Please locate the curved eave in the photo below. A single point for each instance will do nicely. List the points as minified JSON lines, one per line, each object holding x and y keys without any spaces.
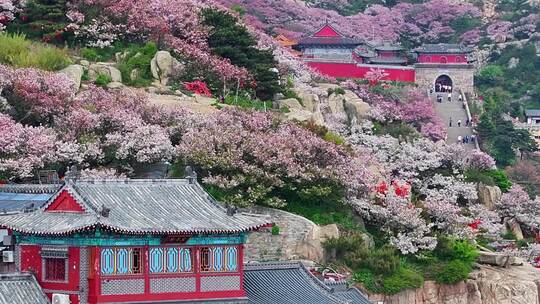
{"x":137,"y":232}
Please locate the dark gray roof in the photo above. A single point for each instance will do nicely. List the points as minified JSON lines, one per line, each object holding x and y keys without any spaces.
{"x":532,"y":113}
{"x":387,"y":60}
{"x":21,"y":288}
{"x":292,"y":283}
{"x":344,"y":291}
{"x":136,"y":207}
{"x":18,"y":198}
{"x":443,"y":48}
{"x":388,"y":47}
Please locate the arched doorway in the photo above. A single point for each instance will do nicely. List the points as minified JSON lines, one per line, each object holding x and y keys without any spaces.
{"x":443,"y":83}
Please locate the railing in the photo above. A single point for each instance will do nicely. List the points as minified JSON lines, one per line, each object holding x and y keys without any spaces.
{"x":469,"y":116}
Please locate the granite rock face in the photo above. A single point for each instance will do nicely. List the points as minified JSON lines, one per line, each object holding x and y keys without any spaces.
{"x":488,"y":285}
{"x":488,"y":195}
{"x":299,"y":238}
{"x":103,"y":68}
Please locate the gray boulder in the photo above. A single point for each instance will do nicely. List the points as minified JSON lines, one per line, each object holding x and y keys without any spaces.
{"x":163,"y":66}
{"x":106,"y":69}
{"x":75,"y":73}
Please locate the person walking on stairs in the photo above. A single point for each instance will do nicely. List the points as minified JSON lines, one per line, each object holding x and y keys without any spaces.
{"x":459,"y":123}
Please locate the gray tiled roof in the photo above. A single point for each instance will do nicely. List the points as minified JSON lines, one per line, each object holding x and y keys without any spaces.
{"x":137,"y":206}
{"x":21,"y":288}
{"x":292,"y":283}
{"x":532,"y":113}
{"x":18,"y":198}
{"x":443,"y":48}
{"x":388,"y":60}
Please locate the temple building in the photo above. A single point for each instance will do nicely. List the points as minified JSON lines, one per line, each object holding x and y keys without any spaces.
{"x":137,"y":241}
{"x":335,"y":55}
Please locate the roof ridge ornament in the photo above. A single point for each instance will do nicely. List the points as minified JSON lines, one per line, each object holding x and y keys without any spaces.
{"x":104,"y":211}
{"x":190,"y":174}
{"x":72,"y":174}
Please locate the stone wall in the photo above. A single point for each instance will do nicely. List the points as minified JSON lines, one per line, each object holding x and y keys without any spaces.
{"x":462,"y":75}
{"x":299,"y":238}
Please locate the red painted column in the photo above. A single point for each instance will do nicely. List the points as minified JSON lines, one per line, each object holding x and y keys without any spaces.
{"x":196,"y":269}
{"x":241,"y":266}
{"x":94,"y":275}
{"x":146,"y":269}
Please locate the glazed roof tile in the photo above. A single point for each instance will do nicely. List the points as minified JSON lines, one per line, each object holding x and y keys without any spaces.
{"x":19,"y":198}
{"x":292,"y":283}
{"x":329,"y":41}
{"x":136,"y":207}
{"x":21,"y":288}
{"x":442,"y":48}
{"x":532,"y":112}
{"x":388,"y":60}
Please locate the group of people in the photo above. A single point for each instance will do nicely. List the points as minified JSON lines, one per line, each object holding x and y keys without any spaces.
{"x":466,"y":139}
{"x":467,"y":122}
{"x":440,"y":98}
{"x":443,"y":88}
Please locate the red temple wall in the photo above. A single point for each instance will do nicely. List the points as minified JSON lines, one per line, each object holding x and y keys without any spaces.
{"x":31,"y":261}
{"x":351,"y":70}
{"x":442,"y":58}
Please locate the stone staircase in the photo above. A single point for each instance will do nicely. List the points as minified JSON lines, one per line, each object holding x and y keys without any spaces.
{"x":453,"y":109}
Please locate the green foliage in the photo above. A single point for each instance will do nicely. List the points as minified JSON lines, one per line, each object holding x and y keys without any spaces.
{"x":396,"y":129}
{"x":106,"y":53}
{"x":403,"y":278}
{"x":275,"y":230}
{"x":453,"y":272}
{"x":138,"y":57}
{"x":19,"y":52}
{"x":89,"y":54}
{"x":337,"y":91}
{"x":245,"y":101}
{"x":102,"y":80}
{"x":451,"y":249}
{"x":489,"y":177}
{"x":508,"y":235}
{"x":43,"y":19}
{"x":331,"y":212}
{"x":334,"y":137}
{"x":489,"y":75}
{"x":231,"y":40}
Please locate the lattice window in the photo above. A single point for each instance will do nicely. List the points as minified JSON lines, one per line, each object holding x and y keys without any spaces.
{"x":219,"y":259}
{"x":121,"y":261}
{"x":55,"y":269}
{"x":170,"y":260}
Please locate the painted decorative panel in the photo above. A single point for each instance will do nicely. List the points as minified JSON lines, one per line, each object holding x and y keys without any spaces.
{"x":219,"y":259}
{"x":120,"y":261}
{"x":167,"y":285}
{"x":221,"y":283}
{"x":122,"y":287}
{"x":232,"y":259}
{"x":170,"y":260}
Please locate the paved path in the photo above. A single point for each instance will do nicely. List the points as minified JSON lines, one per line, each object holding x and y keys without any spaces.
{"x":454,"y":110}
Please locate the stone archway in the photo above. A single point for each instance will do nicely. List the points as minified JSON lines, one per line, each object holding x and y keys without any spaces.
{"x":443,"y":83}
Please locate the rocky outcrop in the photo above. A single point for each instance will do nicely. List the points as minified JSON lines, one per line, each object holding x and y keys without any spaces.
{"x":513,"y":225}
{"x":488,"y":195}
{"x":197,"y":104}
{"x":103,"y":68}
{"x":163,"y":66}
{"x":75,"y":73}
{"x":316,"y":103}
{"x":488,"y":285}
{"x":495,"y":259}
{"x":299,"y":238}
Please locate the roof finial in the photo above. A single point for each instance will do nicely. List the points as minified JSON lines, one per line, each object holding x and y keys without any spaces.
{"x":190,"y":174}
{"x":104,"y":211}
{"x":72,"y":174}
